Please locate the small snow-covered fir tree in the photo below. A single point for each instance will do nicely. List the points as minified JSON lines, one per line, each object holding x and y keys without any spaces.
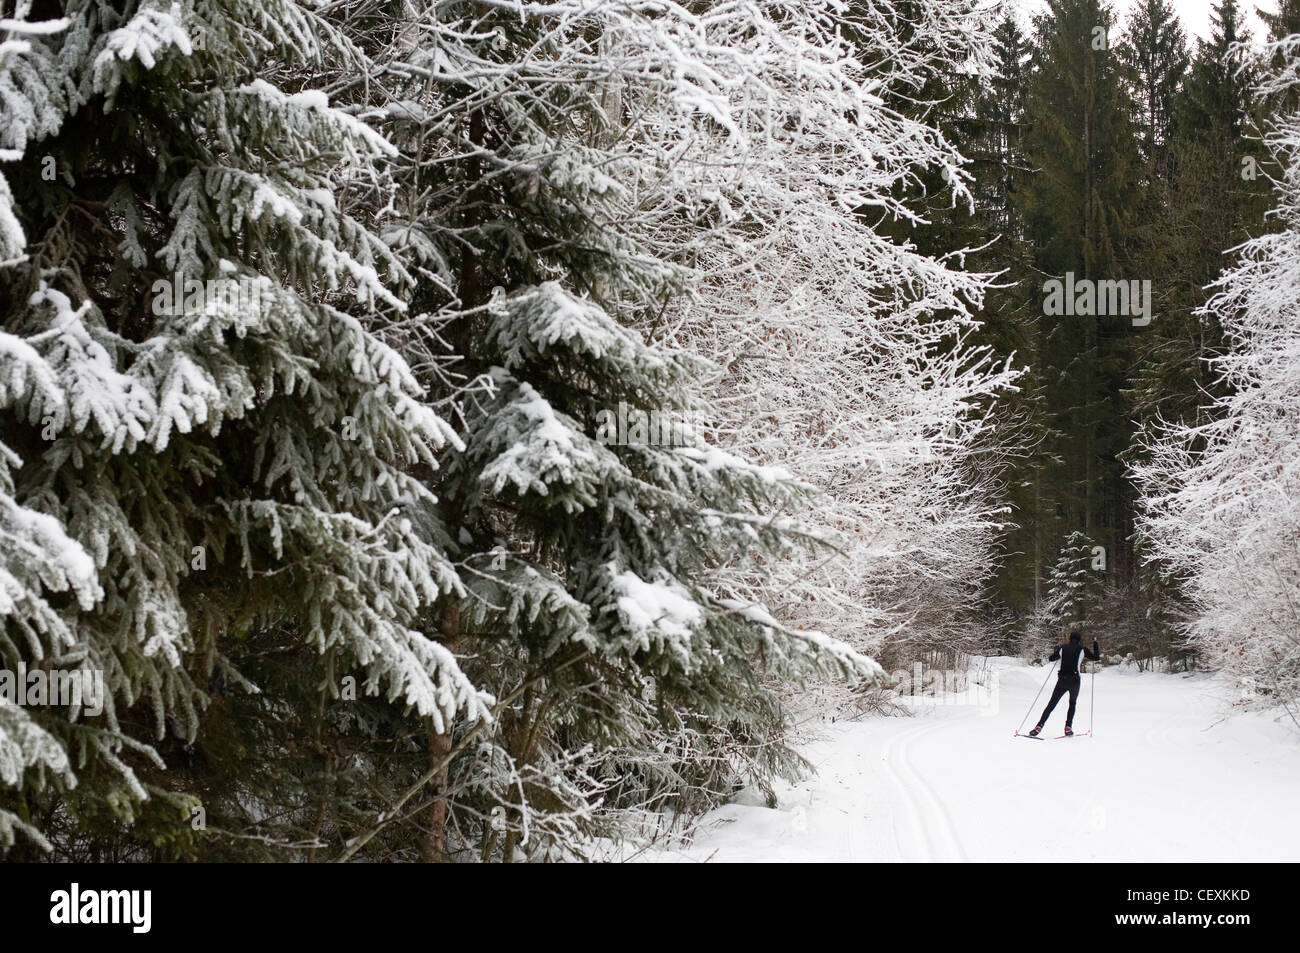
{"x":202,"y":444}
{"x":1075,"y":585}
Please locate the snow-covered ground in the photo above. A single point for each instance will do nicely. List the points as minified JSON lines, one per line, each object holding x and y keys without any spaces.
{"x":1171,"y":774}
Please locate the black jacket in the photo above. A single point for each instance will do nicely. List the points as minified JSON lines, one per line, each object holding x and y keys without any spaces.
{"x":1071,"y":654}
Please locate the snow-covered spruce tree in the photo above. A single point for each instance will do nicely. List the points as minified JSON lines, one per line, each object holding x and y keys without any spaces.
{"x":1221,"y":511}
{"x":205,"y":453}
{"x":555,"y":149}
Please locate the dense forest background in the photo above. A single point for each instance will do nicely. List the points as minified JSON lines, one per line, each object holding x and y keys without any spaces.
{"x":1137,"y":155}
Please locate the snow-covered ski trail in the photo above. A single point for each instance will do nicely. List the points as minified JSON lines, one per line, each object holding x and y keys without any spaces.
{"x":1170,"y":774}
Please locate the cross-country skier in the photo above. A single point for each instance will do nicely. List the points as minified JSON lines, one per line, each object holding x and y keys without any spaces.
{"x":1067,"y":679}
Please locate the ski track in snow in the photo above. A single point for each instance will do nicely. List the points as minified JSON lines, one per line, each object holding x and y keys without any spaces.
{"x":1172,"y":774}
{"x":938,"y":836}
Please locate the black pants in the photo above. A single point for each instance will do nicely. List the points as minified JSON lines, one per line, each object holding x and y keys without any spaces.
{"x":1064,"y":683}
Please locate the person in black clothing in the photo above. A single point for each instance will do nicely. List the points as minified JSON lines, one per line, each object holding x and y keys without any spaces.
{"x":1067,"y":679}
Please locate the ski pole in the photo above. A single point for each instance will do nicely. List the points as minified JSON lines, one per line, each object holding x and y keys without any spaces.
{"x":1092,"y":699}
{"x":1035,"y":701}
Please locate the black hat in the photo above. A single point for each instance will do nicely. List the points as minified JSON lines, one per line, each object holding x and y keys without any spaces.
{"x":1075,"y":637}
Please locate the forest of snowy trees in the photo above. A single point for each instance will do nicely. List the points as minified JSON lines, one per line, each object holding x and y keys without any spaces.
{"x":459,"y":430}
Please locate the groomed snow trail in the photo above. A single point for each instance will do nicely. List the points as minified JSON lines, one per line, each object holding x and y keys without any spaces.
{"x":1172,"y":774}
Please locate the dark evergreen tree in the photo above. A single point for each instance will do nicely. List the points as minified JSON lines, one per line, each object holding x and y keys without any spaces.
{"x":1154,"y":50}
{"x":1011,"y":315}
{"x":1214,"y":103}
{"x":1000,"y":109}
{"x":1083,"y":206}
{"x":1217,"y":194}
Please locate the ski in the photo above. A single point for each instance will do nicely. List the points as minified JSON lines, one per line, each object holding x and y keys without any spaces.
{"x":1030,"y":737}
{"x":1077,"y":734}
